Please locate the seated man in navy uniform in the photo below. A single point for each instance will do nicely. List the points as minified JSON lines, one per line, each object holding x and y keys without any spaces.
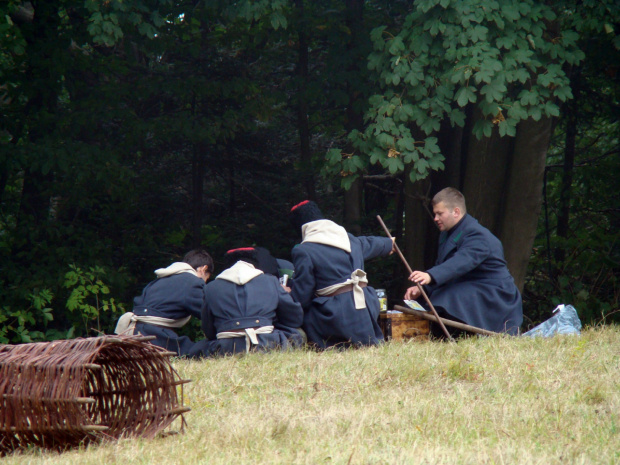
{"x":330,"y":282}
{"x":247,"y":308}
{"x":470,"y":281}
{"x":169,"y":302}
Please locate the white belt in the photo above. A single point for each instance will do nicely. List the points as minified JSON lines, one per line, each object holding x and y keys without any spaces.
{"x":248,"y":333}
{"x":357,"y":277}
{"x":127,"y":322}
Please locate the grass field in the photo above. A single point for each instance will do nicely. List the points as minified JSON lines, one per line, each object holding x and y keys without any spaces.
{"x":498,"y":400}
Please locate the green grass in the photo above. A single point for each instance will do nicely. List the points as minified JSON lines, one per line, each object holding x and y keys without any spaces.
{"x":480,"y":401}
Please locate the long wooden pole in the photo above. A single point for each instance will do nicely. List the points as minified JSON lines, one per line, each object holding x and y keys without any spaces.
{"x":428,"y":301}
{"x":454,"y":324}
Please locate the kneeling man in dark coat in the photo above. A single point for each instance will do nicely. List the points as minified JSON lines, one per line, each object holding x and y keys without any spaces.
{"x":330,"y":282}
{"x":470,"y":281}
{"x":169,"y":302}
{"x":248,"y":309}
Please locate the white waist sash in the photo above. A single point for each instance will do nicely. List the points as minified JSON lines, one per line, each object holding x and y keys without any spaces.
{"x":248,"y":333}
{"x":357,"y":277}
{"x":127,"y":322}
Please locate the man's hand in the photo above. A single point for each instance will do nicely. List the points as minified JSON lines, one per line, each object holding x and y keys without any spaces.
{"x":420,"y":277}
{"x":393,"y":246}
{"x":412,"y":293}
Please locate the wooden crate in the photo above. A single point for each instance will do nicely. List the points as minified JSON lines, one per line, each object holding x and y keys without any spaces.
{"x":402,"y":327}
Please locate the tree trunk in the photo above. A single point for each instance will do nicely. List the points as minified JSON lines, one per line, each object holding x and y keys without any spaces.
{"x":419,"y":232}
{"x":198,"y":176}
{"x":523,"y":195}
{"x":302,"y":104}
{"x":487,"y":163}
{"x":354,"y":119}
{"x":353,"y":208}
{"x":40,"y":115}
{"x":4,"y":169}
{"x":569,"y":163}
{"x":452,"y":142}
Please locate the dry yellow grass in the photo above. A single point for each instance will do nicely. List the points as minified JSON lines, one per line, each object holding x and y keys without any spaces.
{"x":481,"y":401}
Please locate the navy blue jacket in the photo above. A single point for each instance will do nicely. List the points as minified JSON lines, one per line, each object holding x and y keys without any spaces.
{"x":471,"y":280}
{"x":335,"y":320}
{"x":176,"y":296}
{"x":260,"y":302}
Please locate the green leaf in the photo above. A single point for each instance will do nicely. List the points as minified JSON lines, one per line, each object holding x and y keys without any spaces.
{"x":436,"y":163}
{"x":375,"y":60}
{"x":406,"y":144}
{"x":499,"y":21}
{"x":333,"y":156}
{"x":494,"y":91}
{"x":394,"y":165}
{"x":479,"y":34}
{"x":429,"y":125}
{"x":457,"y":117}
{"x":421,"y":166}
{"x":535,"y":112}
{"x":522,"y":75}
{"x":482,"y":128}
{"x":465,"y":95}
{"x":396,"y":46}
{"x":563,"y":93}
{"x":385,"y":140}
{"x":376,"y":36}
{"x":505,"y":42}
{"x":410,"y":157}
{"x":278,"y":20}
{"x":517,"y":112}
{"x":507,"y":128}
{"x":528,"y":97}
{"x":347,"y":182}
{"x":510,"y":12}
{"x":551,"y":109}
{"x":484,"y":75}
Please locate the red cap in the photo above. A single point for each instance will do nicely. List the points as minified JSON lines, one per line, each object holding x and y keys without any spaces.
{"x":242,"y":249}
{"x":300,"y":204}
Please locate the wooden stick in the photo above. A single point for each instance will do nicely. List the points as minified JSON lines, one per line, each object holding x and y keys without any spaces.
{"x":428,"y":301}
{"x":143,"y":338}
{"x":178,"y":411}
{"x":76,"y":400}
{"x":53,"y":428}
{"x":454,"y":324}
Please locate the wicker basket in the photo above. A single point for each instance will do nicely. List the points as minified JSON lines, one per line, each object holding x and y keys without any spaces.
{"x":58,"y":395}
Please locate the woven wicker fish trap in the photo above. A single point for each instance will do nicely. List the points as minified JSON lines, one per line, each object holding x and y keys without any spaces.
{"x":58,"y":395}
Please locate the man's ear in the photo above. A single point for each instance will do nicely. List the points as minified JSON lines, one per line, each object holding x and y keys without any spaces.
{"x":457,"y":212}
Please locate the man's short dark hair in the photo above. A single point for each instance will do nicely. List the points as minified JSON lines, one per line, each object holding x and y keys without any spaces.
{"x":451,"y":198}
{"x":197,"y":258}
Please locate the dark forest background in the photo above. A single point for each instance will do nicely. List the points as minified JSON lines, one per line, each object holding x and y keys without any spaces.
{"x":133,"y":131}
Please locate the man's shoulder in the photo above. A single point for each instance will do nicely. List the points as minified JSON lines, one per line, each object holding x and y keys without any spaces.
{"x":471,"y":225}
{"x":474,"y":231}
{"x":264,"y":279}
{"x":217,"y":287}
{"x":177,"y":280}
{"x":304,"y":248}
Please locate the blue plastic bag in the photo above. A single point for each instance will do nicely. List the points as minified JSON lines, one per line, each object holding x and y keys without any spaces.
{"x":565,"y":321}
